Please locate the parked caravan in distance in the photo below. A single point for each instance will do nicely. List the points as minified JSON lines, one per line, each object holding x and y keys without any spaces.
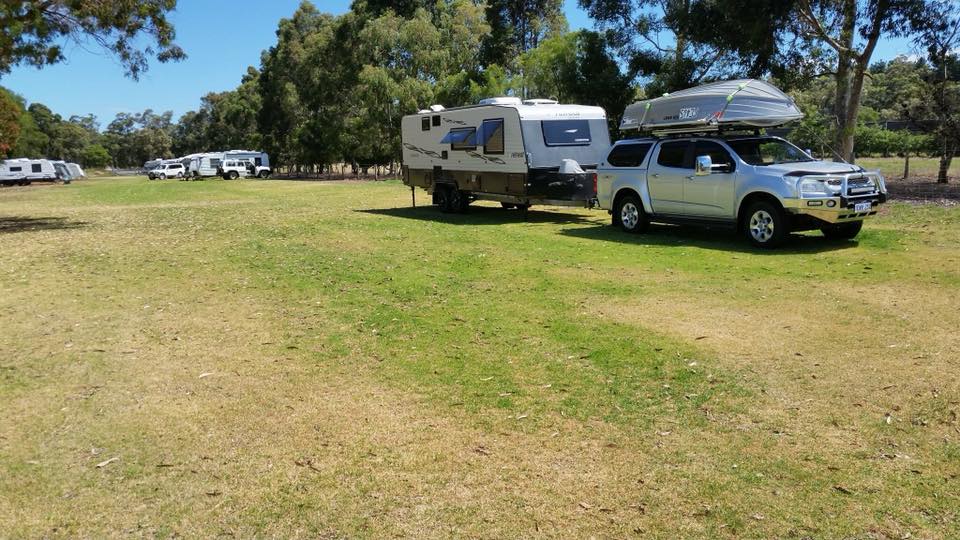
{"x":76,"y":171}
{"x":203,"y":165}
{"x":519,"y":153}
{"x":23,"y":171}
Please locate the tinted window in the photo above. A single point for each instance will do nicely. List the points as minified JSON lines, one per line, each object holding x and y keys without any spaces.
{"x":461,"y":139}
{"x":36,"y":167}
{"x":566,"y":132}
{"x":491,"y":136}
{"x":718,"y":154}
{"x":673,"y":154}
{"x":425,"y":124}
{"x":16,"y":169}
{"x":436,"y":120}
{"x":628,"y":155}
{"x":258,"y":161}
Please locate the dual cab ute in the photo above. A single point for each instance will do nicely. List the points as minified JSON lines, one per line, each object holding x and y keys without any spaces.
{"x":707,"y":162}
{"x":762,"y":185}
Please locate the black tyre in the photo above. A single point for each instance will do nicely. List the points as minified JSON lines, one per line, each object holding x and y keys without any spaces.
{"x":842,"y":231}
{"x":234,"y":175}
{"x":458,"y":200}
{"x":442,"y":198}
{"x":163,"y":176}
{"x":765,"y":225}
{"x":508,"y":206}
{"x":264,"y":174}
{"x":629,"y":215}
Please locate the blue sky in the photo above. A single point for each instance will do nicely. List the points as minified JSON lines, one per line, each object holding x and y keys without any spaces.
{"x":221,"y":37}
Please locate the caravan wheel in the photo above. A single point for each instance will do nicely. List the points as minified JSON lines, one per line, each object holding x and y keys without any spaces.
{"x":458,"y":200}
{"x":442,"y":198}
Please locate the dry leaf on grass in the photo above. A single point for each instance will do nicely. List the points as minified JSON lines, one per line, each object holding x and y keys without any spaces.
{"x":103,"y":464}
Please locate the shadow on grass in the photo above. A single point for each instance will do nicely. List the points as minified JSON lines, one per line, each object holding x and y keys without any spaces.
{"x":481,"y":215}
{"x":10,"y":225}
{"x":718,"y":239}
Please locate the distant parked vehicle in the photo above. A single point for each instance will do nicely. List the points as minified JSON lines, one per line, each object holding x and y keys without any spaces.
{"x":76,"y":171}
{"x":167,"y":170}
{"x":260,"y":160}
{"x":231,"y":169}
{"x":23,"y":171}
{"x":203,"y":165}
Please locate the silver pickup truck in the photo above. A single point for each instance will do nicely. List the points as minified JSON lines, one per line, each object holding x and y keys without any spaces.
{"x":761,"y":185}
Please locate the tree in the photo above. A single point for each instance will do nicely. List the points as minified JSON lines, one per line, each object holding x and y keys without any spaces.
{"x":34,"y":33}
{"x":95,"y":155}
{"x":10,"y":112}
{"x":517,"y":26}
{"x":940,"y":36}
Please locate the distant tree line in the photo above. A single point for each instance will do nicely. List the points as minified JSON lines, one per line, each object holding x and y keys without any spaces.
{"x":332,"y":89}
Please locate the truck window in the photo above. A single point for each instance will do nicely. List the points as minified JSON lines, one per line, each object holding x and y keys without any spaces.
{"x":718,"y":154}
{"x":628,"y":155}
{"x":673,"y":154}
{"x":461,"y":139}
{"x":566,"y":132}
{"x":491,"y":136}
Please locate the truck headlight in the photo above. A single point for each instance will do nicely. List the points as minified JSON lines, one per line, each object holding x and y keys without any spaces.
{"x":819,"y":187}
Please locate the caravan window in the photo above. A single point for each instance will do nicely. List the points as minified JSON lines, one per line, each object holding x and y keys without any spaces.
{"x":16,"y":169}
{"x":461,"y":139}
{"x":628,"y":155}
{"x":425,"y":124}
{"x":491,"y":136}
{"x":214,"y":162}
{"x":36,"y":167}
{"x":566,"y":132}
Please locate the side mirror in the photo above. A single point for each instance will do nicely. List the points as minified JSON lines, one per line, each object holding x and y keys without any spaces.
{"x":703,"y":166}
{"x":809,"y":152}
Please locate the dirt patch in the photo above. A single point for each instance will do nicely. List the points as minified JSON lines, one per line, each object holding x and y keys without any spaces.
{"x":924,"y":190}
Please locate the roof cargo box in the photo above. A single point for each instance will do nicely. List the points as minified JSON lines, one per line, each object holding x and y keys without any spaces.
{"x":740,"y":104}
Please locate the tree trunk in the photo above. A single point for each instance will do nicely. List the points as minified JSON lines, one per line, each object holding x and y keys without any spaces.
{"x":906,"y":165}
{"x":945,"y":159}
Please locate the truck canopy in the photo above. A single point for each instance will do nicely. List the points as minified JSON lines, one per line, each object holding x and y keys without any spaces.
{"x":744,"y":103}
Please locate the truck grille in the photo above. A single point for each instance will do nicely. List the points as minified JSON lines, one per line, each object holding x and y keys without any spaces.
{"x":861,"y":186}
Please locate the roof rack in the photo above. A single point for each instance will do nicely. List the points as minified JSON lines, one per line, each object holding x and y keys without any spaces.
{"x":739,"y":104}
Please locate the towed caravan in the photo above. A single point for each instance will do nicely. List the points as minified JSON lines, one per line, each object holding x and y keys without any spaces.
{"x":519,"y":153}
{"x":203,"y":165}
{"x":704,"y":160}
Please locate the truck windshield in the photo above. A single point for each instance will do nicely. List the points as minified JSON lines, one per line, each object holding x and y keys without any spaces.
{"x":768,"y":151}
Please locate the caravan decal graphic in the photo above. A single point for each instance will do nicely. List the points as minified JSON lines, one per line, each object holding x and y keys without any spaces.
{"x":495,"y":160}
{"x":419,"y":150}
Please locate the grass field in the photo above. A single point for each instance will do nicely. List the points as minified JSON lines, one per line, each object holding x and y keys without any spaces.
{"x":302,"y":359}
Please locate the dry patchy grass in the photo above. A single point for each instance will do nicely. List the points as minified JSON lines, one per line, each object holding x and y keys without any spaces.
{"x":316,"y":360}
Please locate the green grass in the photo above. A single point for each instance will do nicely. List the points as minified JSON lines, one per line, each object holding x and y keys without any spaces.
{"x":892,"y":167}
{"x":319,"y":359}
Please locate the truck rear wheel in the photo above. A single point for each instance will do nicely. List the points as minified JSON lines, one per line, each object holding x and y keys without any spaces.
{"x":842,"y":231}
{"x":629,"y":214}
{"x":234,"y":175}
{"x":765,"y":225}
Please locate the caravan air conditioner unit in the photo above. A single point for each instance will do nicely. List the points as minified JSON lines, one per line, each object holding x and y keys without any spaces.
{"x":505,"y":100}
{"x":540,"y":102}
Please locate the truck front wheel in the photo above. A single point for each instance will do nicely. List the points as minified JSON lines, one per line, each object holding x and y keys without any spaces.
{"x":766,"y":225}
{"x":842,"y":231}
{"x":629,"y":214}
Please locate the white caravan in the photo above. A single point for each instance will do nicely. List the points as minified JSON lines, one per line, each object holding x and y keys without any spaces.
{"x":519,"y":153}
{"x":203,"y":165}
{"x":23,"y":171}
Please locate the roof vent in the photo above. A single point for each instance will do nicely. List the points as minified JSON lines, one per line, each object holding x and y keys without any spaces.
{"x":437,"y":108}
{"x":505,"y":100}
{"x":540,"y":102}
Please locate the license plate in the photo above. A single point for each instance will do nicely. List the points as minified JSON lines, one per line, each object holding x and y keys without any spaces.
{"x":861,"y":207}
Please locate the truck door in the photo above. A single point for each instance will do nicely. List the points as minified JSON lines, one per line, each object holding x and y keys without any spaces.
{"x":711,"y":195}
{"x":666,"y":175}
